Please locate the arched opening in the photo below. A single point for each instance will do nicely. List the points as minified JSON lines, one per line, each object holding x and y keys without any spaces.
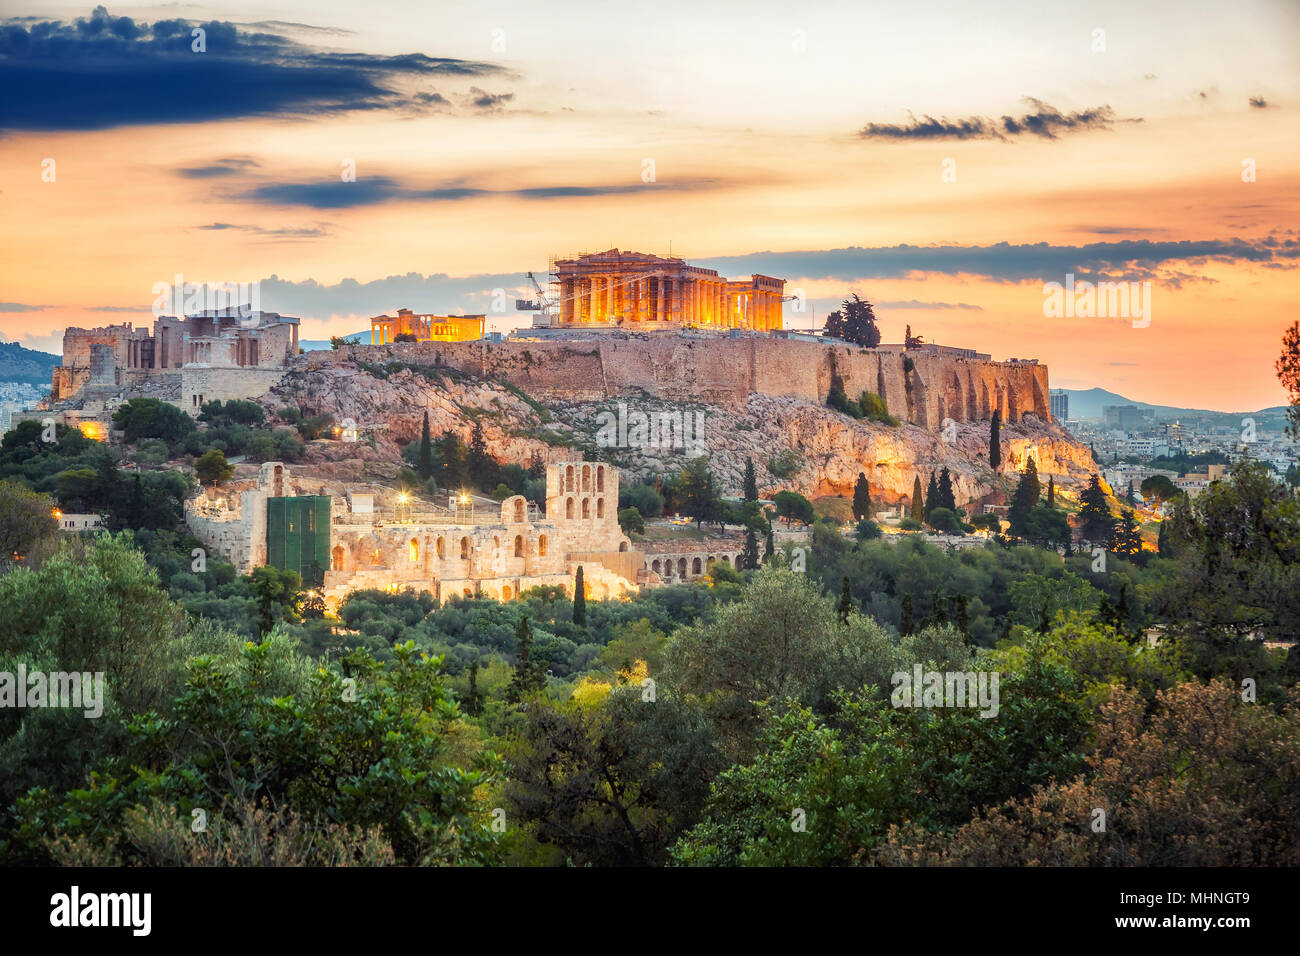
{"x":681,"y":567}
{"x":519,"y":511}
{"x":695,"y":566}
{"x":519,"y":546}
{"x":586,"y":507}
{"x":442,"y":549}
{"x":568,"y":507}
{"x":654,"y":566}
{"x":541,"y":544}
{"x":464,"y":547}
{"x":414,"y":548}
{"x":726,"y":559}
{"x":568,"y":478}
{"x":622,"y":546}
{"x":600,"y":507}
{"x":505,"y":592}
{"x":586,"y":478}
{"x":600,"y":478}
{"x":338,"y":557}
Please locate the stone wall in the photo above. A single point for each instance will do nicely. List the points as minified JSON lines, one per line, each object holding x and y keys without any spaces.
{"x":200,"y":384}
{"x":727,"y":371}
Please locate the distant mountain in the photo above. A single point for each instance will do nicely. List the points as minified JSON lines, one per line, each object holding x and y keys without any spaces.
{"x":18,"y":364}
{"x":1088,"y":403}
{"x":323,"y":345}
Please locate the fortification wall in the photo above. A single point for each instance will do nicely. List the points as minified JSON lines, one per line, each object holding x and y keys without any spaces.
{"x":200,"y":384}
{"x":917,"y":387}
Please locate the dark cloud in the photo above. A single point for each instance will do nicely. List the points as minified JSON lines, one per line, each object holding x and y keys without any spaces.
{"x":222,"y":167}
{"x":1044,"y":121}
{"x":483,"y":100}
{"x":285,"y":232}
{"x":103,"y":72}
{"x":376,"y":190}
{"x":1259,"y":103}
{"x":1127,"y":260}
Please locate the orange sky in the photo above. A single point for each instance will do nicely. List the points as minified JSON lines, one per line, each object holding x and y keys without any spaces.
{"x":754,"y":137}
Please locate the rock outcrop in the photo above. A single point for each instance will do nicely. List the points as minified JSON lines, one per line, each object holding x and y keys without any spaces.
{"x":795,"y":443}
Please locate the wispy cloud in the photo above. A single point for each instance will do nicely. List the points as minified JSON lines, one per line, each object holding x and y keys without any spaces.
{"x":22,"y":307}
{"x":1044,"y":121}
{"x":917,"y":304}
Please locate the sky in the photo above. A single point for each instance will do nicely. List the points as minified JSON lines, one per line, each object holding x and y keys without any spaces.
{"x":946,"y":161}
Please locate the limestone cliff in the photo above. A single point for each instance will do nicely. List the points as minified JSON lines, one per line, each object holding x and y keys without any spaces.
{"x":811,"y":448}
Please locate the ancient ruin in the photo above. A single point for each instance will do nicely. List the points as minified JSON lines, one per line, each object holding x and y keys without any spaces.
{"x":343,"y":536}
{"x":249,"y":347}
{"x":634,"y":288}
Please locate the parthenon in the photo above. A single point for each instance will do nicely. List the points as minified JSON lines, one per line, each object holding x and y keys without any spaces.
{"x":619,"y":288}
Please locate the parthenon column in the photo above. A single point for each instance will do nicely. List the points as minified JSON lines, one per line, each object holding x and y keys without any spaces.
{"x":609,"y":298}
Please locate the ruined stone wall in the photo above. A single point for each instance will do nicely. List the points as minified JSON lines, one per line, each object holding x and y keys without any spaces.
{"x":726,"y":371}
{"x":199,"y":384}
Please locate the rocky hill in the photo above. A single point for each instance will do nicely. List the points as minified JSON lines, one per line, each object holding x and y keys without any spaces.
{"x":18,"y":364}
{"x":795,"y":443}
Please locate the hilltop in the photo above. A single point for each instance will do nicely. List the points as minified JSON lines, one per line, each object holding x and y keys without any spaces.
{"x":18,"y":364}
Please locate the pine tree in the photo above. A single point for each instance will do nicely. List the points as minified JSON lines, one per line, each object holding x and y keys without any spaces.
{"x":751,"y":481}
{"x":1128,"y":540}
{"x":1051,"y":492}
{"x":931,"y":496}
{"x":1023,"y":500}
{"x":995,"y":441}
{"x":947,"y":499}
{"x":483,"y":469}
{"x":846,"y":606}
{"x":749,"y":558}
{"x":1128,"y":495}
{"x":861,"y":498}
{"x":425,"y":467}
{"x":579,"y":600}
{"x":1096,"y":524}
{"x":905,"y":616}
{"x":918,"y":503}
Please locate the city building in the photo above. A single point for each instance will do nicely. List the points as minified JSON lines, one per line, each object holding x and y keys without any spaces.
{"x":1059,"y":399}
{"x":1126,"y":417}
{"x":426,"y":328}
{"x":634,"y":288}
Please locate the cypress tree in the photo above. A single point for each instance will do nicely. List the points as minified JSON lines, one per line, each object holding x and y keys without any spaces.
{"x":861,"y":498}
{"x":770,"y":549}
{"x":472,"y":701}
{"x":528,"y":675}
{"x":846,"y":602}
{"x":579,"y":600}
{"x":1051,"y":492}
{"x":918,"y":503}
{"x":995,"y":440}
{"x":905,"y":616}
{"x":751,"y":481}
{"x":960,"y":615}
{"x":931,"y":496}
{"x":425,"y":467}
{"x":749,"y":559}
{"x":947,"y":499}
